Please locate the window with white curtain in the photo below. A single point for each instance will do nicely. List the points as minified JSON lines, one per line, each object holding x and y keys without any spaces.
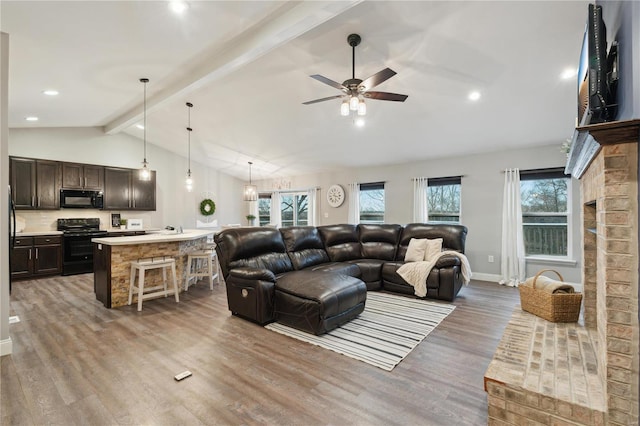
{"x":294,"y":208}
{"x":264,"y":209}
{"x":443,"y":199}
{"x":372,"y":202}
{"x":545,"y":211}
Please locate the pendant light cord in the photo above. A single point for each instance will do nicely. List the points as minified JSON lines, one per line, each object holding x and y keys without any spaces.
{"x":190,"y":105}
{"x":144,"y":120}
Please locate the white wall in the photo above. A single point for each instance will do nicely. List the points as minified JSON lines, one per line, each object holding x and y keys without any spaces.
{"x":5,"y":339}
{"x":482,"y":187}
{"x":174,"y":205}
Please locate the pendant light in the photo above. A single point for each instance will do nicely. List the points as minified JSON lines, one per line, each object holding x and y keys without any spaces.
{"x":250,"y":191}
{"x":189,"y":181}
{"x":145,"y":173}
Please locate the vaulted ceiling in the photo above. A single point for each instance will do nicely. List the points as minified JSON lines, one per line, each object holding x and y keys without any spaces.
{"x":245,"y":66}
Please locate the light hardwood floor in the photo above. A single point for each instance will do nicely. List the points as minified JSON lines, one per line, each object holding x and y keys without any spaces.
{"x":76,"y":362}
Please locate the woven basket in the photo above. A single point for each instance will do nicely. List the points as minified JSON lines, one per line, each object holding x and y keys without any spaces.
{"x":563,"y":307}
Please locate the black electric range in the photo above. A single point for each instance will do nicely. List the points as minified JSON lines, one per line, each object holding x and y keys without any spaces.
{"x":77,"y":249}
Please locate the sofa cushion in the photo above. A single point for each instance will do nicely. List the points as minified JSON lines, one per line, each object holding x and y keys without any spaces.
{"x":379,"y":241}
{"x":338,"y":268}
{"x":304,"y":246}
{"x":261,"y":248}
{"x":453,"y":236}
{"x":341,"y":242}
{"x":391,"y":281}
{"x":370,"y":272}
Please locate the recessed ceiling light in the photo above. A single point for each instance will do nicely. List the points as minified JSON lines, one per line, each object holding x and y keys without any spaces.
{"x":569,"y":73}
{"x":178,"y":6}
{"x":140,"y":126}
{"x":474,"y":96}
{"x":51,"y":92}
{"x":31,"y":118}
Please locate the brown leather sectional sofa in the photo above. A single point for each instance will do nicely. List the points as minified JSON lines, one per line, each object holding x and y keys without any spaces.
{"x":316,"y":278}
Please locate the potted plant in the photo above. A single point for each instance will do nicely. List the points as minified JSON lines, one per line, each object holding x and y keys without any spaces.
{"x":250,"y":219}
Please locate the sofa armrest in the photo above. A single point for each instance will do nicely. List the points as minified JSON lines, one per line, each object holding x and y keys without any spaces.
{"x":247,"y":273}
{"x":447,"y":261}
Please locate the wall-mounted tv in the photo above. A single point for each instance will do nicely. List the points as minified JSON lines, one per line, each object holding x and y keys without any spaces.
{"x":597,"y":73}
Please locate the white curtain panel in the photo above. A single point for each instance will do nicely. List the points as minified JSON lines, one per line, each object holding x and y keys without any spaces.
{"x":312,"y":195}
{"x":276,"y":218}
{"x":253,"y":209}
{"x":353,"y":215}
{"x":420,"y":195}
{"x":513,"y":258}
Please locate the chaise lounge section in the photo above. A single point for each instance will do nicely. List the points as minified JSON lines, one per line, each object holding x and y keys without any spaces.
{"x":316,"y":278}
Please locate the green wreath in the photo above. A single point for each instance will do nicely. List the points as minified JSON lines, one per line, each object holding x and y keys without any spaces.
{"x":207,"y":207}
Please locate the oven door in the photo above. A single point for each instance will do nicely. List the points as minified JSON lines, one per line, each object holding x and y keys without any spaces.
{"x":77,"y":254}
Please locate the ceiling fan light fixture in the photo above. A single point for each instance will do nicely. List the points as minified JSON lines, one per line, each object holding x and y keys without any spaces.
{"x":353,"y":103}
{"x":359,"y":122}
{"x":362,"y":107}
{"x":344,"y":108}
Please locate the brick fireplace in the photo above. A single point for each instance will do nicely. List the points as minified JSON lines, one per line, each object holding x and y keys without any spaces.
{"x":584,"y":373}
{"x":606,"y":162}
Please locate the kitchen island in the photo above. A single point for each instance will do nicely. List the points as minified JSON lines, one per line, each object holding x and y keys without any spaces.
{"x":112,"y":258}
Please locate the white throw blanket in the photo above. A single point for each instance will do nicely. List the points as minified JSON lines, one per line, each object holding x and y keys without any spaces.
{"x":416,"y":273}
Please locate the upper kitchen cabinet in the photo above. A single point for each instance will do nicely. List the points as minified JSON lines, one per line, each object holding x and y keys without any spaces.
{"x":117,"y":189}
{"x":124,"y":191}
{"x":82,"y":176}
{"x":35,"y":184}
{"x":143,"y":192}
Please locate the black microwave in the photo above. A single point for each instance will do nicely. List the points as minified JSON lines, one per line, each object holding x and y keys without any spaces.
{"x":76,"y":199}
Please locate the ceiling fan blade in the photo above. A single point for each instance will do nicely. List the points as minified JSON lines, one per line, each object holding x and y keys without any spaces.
{"x":330,"y":82}
{"x":377,"y":78}
{"x":385,"y":96}
{"x":321,"y":100}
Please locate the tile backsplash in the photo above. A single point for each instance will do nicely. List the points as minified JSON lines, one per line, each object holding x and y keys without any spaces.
{"x":46,"y":220}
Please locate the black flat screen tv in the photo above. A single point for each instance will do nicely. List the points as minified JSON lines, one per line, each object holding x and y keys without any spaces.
{"x":597,"y":73}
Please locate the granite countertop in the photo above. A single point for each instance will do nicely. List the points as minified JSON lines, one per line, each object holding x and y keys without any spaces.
{"x":151,"y":238}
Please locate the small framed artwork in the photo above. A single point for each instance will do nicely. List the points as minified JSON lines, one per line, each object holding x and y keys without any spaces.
{"x":115,"y":220}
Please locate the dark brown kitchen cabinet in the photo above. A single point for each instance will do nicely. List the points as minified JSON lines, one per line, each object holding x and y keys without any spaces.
{"x":82,"y":176}
{"x":143,"y":192}
{"x":35,"y":184}
{"x":36,"y":256}
{"x":124,"y":191}
{"x":117,"y":189}
{"x":23,"y":182}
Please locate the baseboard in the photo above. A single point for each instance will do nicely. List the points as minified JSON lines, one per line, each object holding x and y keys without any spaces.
{"x":486,"y":277}
{"x":6,"y":347}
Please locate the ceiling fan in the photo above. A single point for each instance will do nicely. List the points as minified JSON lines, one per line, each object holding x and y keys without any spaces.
{"x":355,"y":90}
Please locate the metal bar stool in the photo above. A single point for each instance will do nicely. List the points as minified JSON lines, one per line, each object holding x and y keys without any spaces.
{"x":143,"y":265}
{"x":202,"y":264}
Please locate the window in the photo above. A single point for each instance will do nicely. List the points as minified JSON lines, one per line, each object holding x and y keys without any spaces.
{"x":443,"y":199}
{"x":264,"y":209}
{"x":372,"y":202}
{"x":294,"y":208}
{"x":545,"y":211}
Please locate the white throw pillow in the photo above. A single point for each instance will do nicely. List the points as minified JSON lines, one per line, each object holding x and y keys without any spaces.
{"x":432,"y":249}
{"x":416,"y":250}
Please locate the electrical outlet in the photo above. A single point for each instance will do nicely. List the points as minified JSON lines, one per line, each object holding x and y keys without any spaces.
{"x":326,"y":215}
{"x":490,"y":259}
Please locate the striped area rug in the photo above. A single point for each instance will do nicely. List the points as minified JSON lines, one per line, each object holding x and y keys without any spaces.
{"x":384,"y":334}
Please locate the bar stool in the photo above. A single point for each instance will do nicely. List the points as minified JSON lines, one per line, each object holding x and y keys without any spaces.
{"x":143,"y":265}
{"x":200,"y":264}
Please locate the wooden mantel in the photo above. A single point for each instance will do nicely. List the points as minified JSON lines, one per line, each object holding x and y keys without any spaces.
{"x":588,"y":140}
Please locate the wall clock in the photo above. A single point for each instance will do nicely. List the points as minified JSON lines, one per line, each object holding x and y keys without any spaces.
{"x":335,"y":195}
